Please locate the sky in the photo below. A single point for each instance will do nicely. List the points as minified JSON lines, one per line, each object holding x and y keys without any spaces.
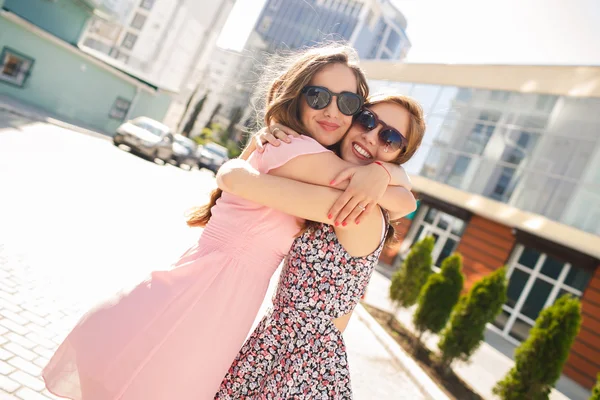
{"x":541,"y":32}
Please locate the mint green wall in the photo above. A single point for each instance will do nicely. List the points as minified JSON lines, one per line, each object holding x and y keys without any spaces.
{"x":67,"y":84}
{"x":151,"y":105}
{"x":65,"y":19}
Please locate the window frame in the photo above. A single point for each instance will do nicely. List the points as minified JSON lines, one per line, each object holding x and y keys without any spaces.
{"x":117,"y":111}
{"x":6,"y":51}
{"x":534,"y":274}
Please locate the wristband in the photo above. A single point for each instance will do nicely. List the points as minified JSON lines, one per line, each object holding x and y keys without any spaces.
{"x":384,"y":168}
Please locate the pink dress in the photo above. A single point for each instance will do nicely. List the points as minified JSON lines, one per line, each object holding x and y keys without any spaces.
{"x":175,"y":335}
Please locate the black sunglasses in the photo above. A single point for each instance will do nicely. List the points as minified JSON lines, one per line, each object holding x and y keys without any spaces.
{"x":389,"y":137}
{"x":319,"y":97}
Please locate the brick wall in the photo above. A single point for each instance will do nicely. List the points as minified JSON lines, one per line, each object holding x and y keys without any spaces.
{"x":584,"y":360}
{"x":485,"y":247}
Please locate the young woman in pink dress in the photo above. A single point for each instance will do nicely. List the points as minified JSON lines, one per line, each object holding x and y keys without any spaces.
{"x":297,"y":351}
{"x":175,"y":335}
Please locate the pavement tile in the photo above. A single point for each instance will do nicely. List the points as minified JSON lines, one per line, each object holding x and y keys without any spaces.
{"x":6,"y":368}
{"x":25,"y":365}
{"x":20,"y":340}
{"x":27,"y":380}
{"x":5,"y":354}
{"x":11,"y":326}
{"x":20,"y":351}
{"x":8,"y":385}
{"x":28,"y":394}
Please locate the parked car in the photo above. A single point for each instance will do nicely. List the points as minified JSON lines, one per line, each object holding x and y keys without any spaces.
{"x":147,"y":137}
{"x":184,"y":152}
{"x":212,"y":156}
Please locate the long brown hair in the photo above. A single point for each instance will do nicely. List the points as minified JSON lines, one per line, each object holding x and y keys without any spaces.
{"x":284,"y":78}
{"x":416,"y":131}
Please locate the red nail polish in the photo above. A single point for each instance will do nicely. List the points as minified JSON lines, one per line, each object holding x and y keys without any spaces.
{"x":357,"y":222}
{"x":329,"y":216}
{"x":332,"y":182}
{"x":344,"y":223}
{"x":337,"y":223}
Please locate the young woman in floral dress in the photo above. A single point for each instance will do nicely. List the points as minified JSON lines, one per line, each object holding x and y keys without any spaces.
{"x":175,"y":334}
{"x":297,"y":351}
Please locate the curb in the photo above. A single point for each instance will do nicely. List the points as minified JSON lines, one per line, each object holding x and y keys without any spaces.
{"x":53,"y":121}
{"x":420,"y":378}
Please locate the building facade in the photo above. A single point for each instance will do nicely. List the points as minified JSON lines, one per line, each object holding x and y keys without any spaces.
{"x":374,"y":27}
{"x":509,"y":174}
{"x":42,"y":66}
{"x":162,"y":40}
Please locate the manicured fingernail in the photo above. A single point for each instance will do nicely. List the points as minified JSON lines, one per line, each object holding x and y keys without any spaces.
{"x":332,"y":182}
{"x":357,"y":221}
{"x":337,"y":223}
{"x":329,"y":216}
{"x":344,"y":223}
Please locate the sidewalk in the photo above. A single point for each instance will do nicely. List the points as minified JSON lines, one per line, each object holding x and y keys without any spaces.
{"x":488,"y":365}
{"x":14,"y":106}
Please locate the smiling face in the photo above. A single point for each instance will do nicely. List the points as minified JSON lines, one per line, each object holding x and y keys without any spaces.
{"x":328,"y":126}
{"x":363,"y":147}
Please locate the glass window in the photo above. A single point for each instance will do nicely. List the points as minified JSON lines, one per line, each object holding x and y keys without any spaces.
{"x":426,"y":95}
{"x":147,"y":4}
{"x":393,"y":40}
{"x":578,"y":278}
{"x":138,"y":21}
{"x":458,"y":171}
{"x":520,"y":330}
{"x":536,"y":299}
{"x":502,"y":319}
{"x":552,"y":267}
{"x":517,"y":282}
{"x":545,"y":102}
{"x":584,"y":210}
{"x":530,"y":291}
{"x":15,"y":68}
{"x":446,"y":230}
{"x":500,"y":96}
{"x":529,"y":257}
{"x":119,"y":109}
{"x":129,"y":41}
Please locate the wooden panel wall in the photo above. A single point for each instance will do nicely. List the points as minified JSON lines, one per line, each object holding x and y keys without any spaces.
{"x":584,"y":361}
{"x":485,"y":247}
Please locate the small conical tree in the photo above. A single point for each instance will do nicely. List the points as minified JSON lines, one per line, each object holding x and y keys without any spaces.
{"x":539,"y":360}
{"x":189,"y":125}
{"x":464,"y":332}
{"x":410,"y":278}
{"x":596,"y":390}
{"x":439,"y":295}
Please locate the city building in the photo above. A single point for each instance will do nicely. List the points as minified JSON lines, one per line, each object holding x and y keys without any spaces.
{"x":42,"y":66}
{"x":375,"y":28}
{"x":162,"y":40}
{"x":509,"y":174}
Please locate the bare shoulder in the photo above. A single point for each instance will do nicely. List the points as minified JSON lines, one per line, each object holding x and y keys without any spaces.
{"x":363,"y":239}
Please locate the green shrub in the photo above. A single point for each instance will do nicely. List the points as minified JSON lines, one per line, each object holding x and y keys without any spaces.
{"x":439,"y":295}
{"x":463,"y":334}
{"x":539,"y":359}
{"x":596,"y":390}
{"x":410,"y":278}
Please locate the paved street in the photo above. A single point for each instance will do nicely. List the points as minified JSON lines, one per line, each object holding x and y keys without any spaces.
{"x":80,"y":219}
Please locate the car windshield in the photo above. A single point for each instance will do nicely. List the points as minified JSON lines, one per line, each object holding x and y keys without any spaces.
{"x":150,"y":128}
{"x":185,"y":142}
{"x":220,"y":151}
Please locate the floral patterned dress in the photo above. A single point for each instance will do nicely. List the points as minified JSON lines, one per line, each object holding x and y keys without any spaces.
{"x":296,"y":352}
